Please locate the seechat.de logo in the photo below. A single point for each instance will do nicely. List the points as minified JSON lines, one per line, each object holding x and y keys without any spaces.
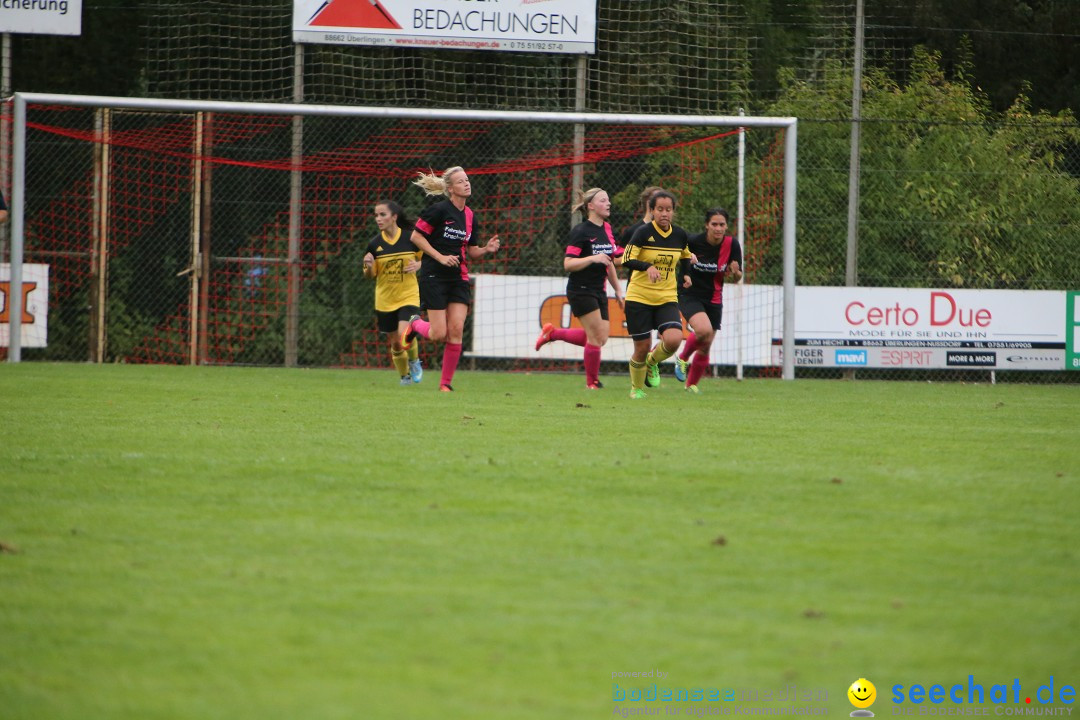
{"x":862,"y":695}
{"x":1001,"y":695}
{"x":850,"y":357}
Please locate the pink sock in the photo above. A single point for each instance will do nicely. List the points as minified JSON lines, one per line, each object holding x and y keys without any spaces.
{"x":574,"y":336}
{"x":451,"y":355}
{"x":688,"y":347}
{"x":423,"y":327}
{"x":592,"y":364}
{"x":698,"y":366}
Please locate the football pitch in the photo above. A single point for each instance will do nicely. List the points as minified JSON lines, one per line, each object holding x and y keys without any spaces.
{"x":265,"y":543}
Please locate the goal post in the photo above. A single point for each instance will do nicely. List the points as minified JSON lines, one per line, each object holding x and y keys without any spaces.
{"x":662,"y":133}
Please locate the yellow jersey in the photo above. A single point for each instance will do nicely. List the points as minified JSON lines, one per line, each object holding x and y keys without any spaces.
{"x":394,"y":288}
{"x":662,"y":250}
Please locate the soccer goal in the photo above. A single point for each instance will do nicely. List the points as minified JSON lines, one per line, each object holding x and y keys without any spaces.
{"x":196,"y":232}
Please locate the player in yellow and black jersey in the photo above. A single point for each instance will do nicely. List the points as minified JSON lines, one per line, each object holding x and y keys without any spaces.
{"x":393,"y":260}
{"x":653,"y":256}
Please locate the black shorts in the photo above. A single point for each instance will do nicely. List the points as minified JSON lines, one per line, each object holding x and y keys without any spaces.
{"x":583,"y":302}
{"x":691,"y":306}
{"x":388,"y":321}
{"x":642,"y":319}
{"x":436,"y":292}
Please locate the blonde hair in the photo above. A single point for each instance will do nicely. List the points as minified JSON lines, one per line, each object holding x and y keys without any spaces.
{"x":432,"y":184}
{"x":584,"y":198}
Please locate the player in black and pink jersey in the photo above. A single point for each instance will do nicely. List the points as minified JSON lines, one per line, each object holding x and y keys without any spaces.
{"x":590,"y":259}
{"x":446,"y":233}
{"x":701,"y":293}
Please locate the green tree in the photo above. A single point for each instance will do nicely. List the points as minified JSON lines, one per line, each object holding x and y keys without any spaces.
{"x":954,"y":195}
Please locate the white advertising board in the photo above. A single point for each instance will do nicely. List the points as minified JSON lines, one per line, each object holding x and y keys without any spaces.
{"x":928,"y":328}
{"x":35,"y":305}
{"x":550,"y":26}
{"x":41,"y":17}
{"x":508,"y":312}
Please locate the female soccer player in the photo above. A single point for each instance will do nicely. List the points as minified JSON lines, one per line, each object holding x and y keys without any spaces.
{"x":393,"y":260}
{"x":701,"y":294}
{"x":653,"y":257}
{"x":446,"y":233}
{"x":590,"y":253}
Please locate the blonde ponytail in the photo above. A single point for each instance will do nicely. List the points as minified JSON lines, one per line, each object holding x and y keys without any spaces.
{"x":433,"y":184}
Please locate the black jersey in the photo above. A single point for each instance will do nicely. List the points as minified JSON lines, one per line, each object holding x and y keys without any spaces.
{"x":584,"y":240}
{"x":450,"y":232}
{"x":707,"y":274}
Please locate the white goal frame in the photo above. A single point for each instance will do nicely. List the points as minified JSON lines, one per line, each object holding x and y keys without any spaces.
{"x":21,"y":100}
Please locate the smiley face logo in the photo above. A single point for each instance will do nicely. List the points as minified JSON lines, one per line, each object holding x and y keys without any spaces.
{"x":862,"y":693}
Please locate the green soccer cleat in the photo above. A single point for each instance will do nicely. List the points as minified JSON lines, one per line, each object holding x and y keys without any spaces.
{"x":693,"y":389}
{"x":637,"y":394}
{"x":652,"y":376}
{"x":680,"y":369}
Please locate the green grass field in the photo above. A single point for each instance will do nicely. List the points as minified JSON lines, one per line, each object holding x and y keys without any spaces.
{"x":262,"y":543}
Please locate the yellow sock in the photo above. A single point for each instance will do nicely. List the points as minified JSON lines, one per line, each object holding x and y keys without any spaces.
{"x":414,"y":349}
{"x":658,"y":355}
{"x":401,"y":361}
{"x":637,"y":375}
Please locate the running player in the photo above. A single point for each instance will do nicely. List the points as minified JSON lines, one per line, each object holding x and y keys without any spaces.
{"x":393,"y":260}
{"x":446,"y":233}
{"x":653,"y":256}
{"x":701,"y":294}
{"x":590,"y":253}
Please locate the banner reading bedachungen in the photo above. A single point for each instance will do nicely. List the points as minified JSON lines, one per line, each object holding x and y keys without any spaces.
{"x":551,"y":26}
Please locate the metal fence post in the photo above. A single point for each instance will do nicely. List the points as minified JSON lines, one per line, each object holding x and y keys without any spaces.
{"x":99,"y":252}
{"x":292,"y":310}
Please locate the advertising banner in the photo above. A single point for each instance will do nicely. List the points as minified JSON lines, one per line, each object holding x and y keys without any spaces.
{"x":35,"y":305}
{"x":928,"y":329}
{"x":41,"y":17}
{"x":551,"y":26}
{"x":509,"y":311}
